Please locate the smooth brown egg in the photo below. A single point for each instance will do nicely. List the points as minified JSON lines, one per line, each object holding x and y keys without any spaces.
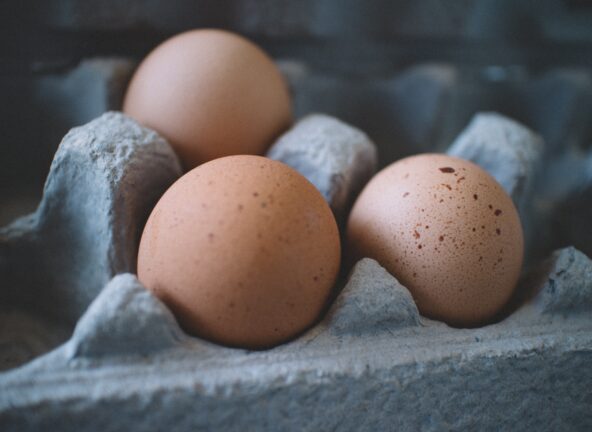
{"x":244,"y":251}
{"x":211,"y":93}
{"x":446,"y":230}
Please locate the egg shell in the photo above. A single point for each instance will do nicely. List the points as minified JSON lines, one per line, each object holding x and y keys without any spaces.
{"x":244,"y":250}
{"x":446,"y":230}
{"x":211,"y":93}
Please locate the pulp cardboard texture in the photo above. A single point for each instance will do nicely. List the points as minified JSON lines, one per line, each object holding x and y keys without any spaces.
{"x":104,"y":180}
{"x":85,"y":347}
{"x":337,"y":158}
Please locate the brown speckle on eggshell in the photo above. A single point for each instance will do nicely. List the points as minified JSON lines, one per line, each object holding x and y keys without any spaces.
{"x":462,"y":269}
{"x":243,"y":249}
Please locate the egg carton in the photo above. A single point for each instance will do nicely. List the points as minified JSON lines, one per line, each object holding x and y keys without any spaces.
{"x":85,"y":347}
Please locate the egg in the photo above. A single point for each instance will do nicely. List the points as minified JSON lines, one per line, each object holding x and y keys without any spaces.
{"x":244,"y":251}
{"x":211,"y":93}
{"x":446,"y":230}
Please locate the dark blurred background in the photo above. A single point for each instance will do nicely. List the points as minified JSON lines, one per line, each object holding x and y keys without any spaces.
{"x":410,"y":73}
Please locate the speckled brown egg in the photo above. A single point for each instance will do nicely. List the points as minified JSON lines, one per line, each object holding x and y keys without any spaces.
{"x":446,"y":230}
{"x":244,"y":251}
{"x":211,"y":93}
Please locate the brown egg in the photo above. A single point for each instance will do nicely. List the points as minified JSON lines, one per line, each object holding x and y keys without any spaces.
{"x":211,"y":93}
{"x":446,"y":230}
{"x":244,"y":251}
